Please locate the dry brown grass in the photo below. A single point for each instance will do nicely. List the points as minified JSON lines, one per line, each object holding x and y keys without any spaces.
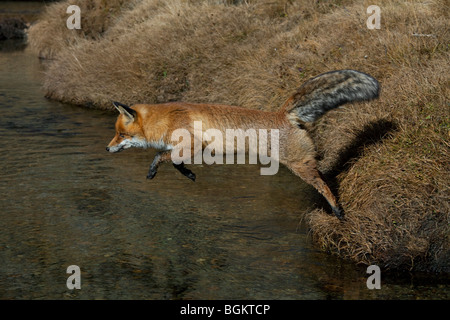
{"x":387,"y":159}
{"x":51,"y":35}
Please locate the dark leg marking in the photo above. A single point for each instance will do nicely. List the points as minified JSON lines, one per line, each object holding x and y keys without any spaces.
{"x":185,"y":171}
{"x":154,"y":166}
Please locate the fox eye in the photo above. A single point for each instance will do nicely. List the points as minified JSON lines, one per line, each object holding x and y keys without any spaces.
{"x":121,"y":135}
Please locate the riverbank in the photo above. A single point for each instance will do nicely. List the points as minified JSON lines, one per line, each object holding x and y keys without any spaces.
{"x":387,"y":159}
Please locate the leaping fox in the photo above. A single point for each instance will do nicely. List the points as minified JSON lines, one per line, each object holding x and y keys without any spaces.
{"x":144,"y":125}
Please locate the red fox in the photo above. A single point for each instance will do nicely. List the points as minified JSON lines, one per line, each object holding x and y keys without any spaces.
{"x":152,"y":126}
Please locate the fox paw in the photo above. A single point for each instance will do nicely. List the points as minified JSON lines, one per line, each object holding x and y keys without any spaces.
{"x":151,"y":175}
{"x":338,"y":213}
{"x":191,"y":176}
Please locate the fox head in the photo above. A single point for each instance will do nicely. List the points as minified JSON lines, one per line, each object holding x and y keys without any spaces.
{"x":128,"y":131}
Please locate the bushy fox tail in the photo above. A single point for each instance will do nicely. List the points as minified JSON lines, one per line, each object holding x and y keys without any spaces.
{"x":328,"y":91}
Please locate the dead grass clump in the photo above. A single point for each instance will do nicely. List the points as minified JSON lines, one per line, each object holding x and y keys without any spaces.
{"x":396,"y":195}
{"x":387,"y":160}
{"x":50,"y":34}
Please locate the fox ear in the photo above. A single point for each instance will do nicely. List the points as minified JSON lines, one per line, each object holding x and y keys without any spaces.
{"x":126,"y":110}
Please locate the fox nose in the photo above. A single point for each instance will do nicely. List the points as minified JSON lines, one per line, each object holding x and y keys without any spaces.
{"x":107,"y":149}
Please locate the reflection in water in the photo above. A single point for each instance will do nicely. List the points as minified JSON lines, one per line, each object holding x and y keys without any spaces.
{"x":233,"y":234}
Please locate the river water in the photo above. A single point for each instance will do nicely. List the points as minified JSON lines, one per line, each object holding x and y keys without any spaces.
{"x":233,"y":234}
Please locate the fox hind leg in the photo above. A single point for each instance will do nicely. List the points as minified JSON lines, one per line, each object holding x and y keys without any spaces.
{"x":307,"y":170}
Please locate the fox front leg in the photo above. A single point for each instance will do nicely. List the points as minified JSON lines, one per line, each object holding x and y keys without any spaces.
{"x":160,"y":157}
{"x":165,"y":156}
{"x":185,"y":171}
